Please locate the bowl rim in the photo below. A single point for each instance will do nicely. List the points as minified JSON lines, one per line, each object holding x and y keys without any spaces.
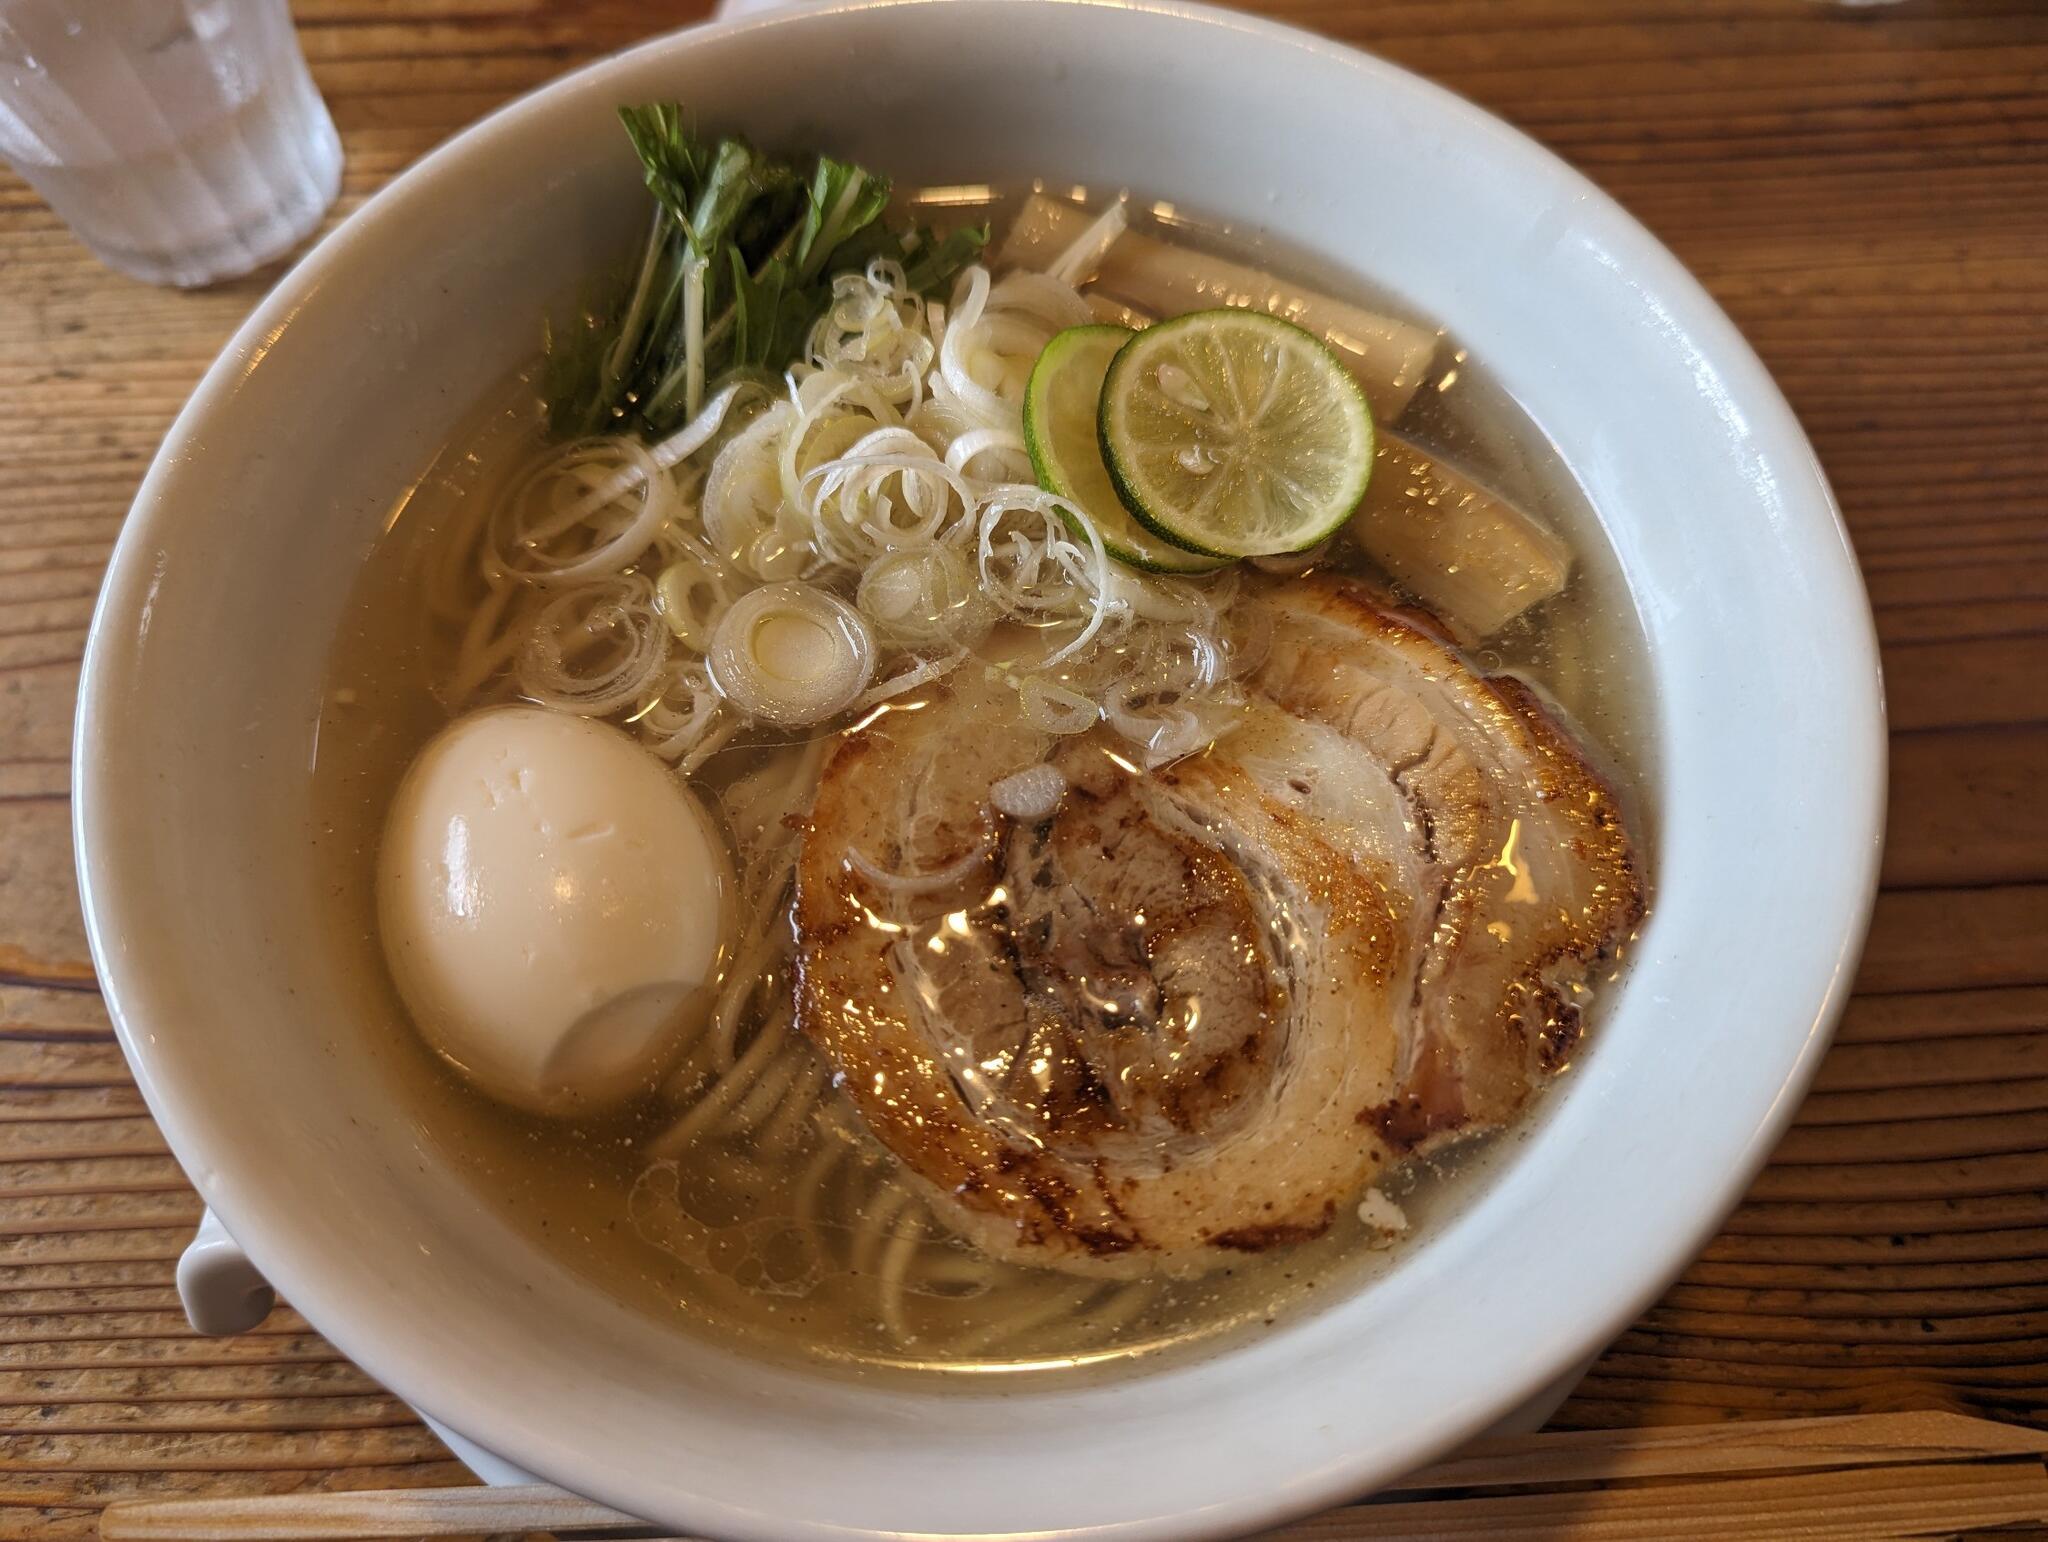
{"x":108,"y":655}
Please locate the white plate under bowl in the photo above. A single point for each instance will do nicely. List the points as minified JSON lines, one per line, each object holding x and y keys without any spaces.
{"x":204,"y":668}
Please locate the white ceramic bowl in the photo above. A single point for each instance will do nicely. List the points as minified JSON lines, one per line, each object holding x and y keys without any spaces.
{"x":207,"y":653}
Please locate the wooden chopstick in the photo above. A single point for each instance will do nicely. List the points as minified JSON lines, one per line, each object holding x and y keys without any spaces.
{"x":1694,"y":1450}
{"x":366,"y":1515}
{"x":1854,"y":1504}
{"x":1858,"y":1476}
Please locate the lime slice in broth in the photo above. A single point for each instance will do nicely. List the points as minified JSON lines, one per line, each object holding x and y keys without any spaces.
{"x":1061,"y":406}
{"x":1235,"y":433}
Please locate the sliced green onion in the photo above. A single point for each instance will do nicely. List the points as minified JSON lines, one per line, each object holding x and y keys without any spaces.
{"x":1055,"y":708}
{"x":691,"y":597}
{"x":791,"y":654}
{"x":922,"y":595}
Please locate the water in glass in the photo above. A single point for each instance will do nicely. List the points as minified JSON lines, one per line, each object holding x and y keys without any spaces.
{"x":182,"y":140}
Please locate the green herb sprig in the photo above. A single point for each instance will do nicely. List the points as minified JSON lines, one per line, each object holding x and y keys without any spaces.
{"x":738,"y":264}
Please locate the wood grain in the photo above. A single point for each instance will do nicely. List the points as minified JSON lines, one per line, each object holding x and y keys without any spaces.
{"x":1865,"y":189}
{"x":1851,"y":1506}
{"x":1705,"y":1484}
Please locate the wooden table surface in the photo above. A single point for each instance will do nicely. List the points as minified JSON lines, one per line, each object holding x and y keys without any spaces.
{"x":1865,"y":190}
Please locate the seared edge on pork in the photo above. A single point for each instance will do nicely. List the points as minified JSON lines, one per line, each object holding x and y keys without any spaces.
{"x":1197,"y":1010}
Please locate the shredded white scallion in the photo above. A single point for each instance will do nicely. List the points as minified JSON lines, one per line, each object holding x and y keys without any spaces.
{"x":1056,"y":708}
{"x":918,"y":674}
{"x":693,"y":596}
{"x":678,"y":714}
{"x":570,"y":516}
{"x":919,"y":882}
{"x":594,"y":649}
{"x":890,"y":477}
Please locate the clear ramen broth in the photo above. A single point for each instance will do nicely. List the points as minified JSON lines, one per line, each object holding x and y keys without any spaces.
{"x":740,"y":1192}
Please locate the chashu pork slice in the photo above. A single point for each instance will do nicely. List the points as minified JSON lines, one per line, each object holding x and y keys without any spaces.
{"x":1194,"y":1011}
{"x":1520,"y":867}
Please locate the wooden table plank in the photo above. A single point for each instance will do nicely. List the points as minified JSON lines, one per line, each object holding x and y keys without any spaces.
{"x":1865,"y":189}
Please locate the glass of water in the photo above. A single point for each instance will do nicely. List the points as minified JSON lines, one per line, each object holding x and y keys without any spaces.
{"x":182,"y":140}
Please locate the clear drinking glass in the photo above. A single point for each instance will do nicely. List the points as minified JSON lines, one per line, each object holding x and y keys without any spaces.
{"x":182,"y":140}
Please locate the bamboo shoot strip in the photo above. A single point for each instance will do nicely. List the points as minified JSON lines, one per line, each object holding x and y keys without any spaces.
{"x":1391,"y":358}
{"x":1467,"y":554}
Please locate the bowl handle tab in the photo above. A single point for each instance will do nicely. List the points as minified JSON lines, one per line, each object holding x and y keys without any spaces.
{"x":221,"y":1290}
